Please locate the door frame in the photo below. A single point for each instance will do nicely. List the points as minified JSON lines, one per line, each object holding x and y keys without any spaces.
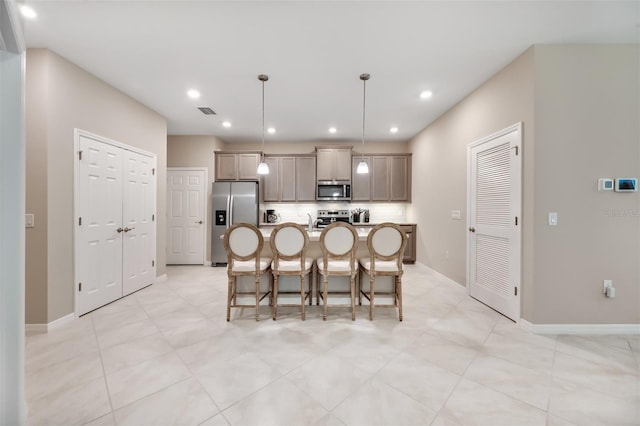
{"x":77,"y":133}
{"x":207,"y":195}
{"x":517,"y":127}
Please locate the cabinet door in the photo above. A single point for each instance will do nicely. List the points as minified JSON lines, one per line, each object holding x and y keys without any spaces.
{"x":306,"y":178}
{"x":226,"y":166}
{"x":360,"y":183}
{"x":399,"y":178}
{"x":270,"y":182}
{"x":324,"y":168}
{"x":248,"y":166}
{"x":287,"y":178}
{"x":342,"y":164}
{"x":379,"y":179}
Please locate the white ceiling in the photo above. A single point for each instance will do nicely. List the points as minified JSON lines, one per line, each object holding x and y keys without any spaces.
{"x":313,"y":53}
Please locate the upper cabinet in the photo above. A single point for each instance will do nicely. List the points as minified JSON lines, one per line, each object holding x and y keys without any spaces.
{"x":333,"y":164}
{"x":237,"y":166}
{"x":290,"y":178}
{"x":389,"y":178}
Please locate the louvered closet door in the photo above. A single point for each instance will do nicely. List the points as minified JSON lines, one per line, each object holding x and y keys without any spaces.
{"x":494,"y":222}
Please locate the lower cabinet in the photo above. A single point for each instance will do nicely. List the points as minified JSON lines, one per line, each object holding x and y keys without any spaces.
{"x":410,"y":250}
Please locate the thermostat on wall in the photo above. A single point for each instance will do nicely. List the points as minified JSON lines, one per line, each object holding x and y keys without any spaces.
{"x":626,"y":185}
{"x":605,"y":184}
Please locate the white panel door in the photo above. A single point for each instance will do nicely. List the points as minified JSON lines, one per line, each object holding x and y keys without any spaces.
{"x":138,"y":260}
{"x":494,"y":199}
{"x":99,"y":242}
{"x":186,"y":206}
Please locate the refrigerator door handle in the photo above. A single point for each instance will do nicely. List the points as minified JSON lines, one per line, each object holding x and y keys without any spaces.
{"x":230,"y":211}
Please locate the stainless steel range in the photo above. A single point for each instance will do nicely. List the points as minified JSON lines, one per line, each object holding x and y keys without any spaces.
{"x":327,"y":217}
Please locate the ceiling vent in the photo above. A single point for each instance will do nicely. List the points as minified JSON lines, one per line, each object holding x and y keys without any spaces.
{"x":207,"y":111}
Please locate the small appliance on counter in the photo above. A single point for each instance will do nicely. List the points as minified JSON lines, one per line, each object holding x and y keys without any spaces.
{"x":271,"y":216}
{"x":360,"y":216}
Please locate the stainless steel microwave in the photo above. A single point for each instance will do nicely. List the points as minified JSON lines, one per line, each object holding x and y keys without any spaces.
{"x":333,"y":191}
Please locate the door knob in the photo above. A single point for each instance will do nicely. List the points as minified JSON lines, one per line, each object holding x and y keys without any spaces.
{"x":199,"y":221}
{"x":129,"y":229}
{"x":472,"y":229}
{"x":119,"y":230}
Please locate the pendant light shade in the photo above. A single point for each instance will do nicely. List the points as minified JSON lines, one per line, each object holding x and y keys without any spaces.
{"x":263,"y":168}
{"x":363,"y":167}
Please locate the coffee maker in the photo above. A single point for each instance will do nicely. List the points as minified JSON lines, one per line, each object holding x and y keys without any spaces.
{"x":271,"y":216}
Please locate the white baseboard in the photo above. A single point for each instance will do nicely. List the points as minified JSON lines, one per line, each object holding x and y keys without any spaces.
{"x":580,"y":328}
{"x":160,"y":278}
{"x":53,"y":325}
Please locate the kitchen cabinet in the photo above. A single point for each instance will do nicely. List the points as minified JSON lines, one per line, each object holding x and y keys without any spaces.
{"x":389,"y":178}
{"x":290,"y":178}
{"x":410,"y":250}
{"x":306,"y":178}
{"x":360,"y":183}
{"x":333,"y":164}
{"x":237,"y":166}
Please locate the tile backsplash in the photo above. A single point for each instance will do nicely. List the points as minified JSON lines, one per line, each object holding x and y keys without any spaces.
{"x":378,"y":212}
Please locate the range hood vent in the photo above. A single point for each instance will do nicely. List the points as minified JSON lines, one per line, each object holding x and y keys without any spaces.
{"x":207,"y":111}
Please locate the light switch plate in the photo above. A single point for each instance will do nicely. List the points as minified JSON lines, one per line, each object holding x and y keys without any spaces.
{"x":29,"y":220}
{"x":455,"y":214}
{"x":553,"y":218}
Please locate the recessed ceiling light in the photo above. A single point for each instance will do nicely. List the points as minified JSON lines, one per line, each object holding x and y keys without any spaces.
{"x":226,"y":124}
{"x":393,"y":130}
{"x":332,"y":130}
{"x":271,"y":130}
{"x":193,"y":94}
{"x":426,"y":94}
{"x":28,"y":12}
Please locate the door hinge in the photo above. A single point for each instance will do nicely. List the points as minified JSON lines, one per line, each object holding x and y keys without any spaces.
{"x":79,"y":155}
{"x":153,"y":263}
{"x":79,"y":286}
{"x":80,"y":221}
{"x":153,"y":217}
{"x":516,"y":148}
{"x":515,"y":291}
{"x":516,"y":220}
{"x":153,"y":171}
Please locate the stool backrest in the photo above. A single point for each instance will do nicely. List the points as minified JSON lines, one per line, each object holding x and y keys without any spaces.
{"x":242,"y":242}
{"x":339,"y":241}
{"x":288,"y":241}
{"x":387,"y":241}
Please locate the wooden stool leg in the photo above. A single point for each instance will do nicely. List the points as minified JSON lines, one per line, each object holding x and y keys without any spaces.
{"x":303,"y":302}
{"x":399,"y":293}
{"x":229,"y":297}
{"x":360,"y":273}
{"x":325,"y":288}
{"x":371,"y":291}
{"x":353,"y":298}
{"x":275,"y":296}
{"x":257,"y":297}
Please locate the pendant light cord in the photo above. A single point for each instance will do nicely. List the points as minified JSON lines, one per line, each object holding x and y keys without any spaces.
{"x":262,"y":117}
{"x":364,"y":107}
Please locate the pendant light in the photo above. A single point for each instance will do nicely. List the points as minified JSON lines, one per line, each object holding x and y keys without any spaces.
{"x":263,"y":168}
{"x":363,"y":167}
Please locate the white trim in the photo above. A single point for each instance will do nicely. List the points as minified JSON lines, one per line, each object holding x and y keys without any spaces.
{"x":583,"y":329}
{"x":207,"y":195}
{"x":160,"y":278}
{"x":53,"y":325}
{"x":76,"y":202}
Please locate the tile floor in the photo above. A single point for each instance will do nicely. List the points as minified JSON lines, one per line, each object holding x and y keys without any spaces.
{"x":166,"y":356}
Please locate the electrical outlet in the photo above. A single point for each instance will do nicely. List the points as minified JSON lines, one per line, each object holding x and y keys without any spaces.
{"x":606,"y":284}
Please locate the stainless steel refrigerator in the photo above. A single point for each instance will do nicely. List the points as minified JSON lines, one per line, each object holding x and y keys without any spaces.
{"x":233,"y":202}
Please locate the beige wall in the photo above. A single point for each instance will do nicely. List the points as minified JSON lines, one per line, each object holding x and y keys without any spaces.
{"x":440,"y":165}
{"x":579,"y":106}
{"x":587,"y":127}
{"x":196,"y":151}
{"x":74,"y":98}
